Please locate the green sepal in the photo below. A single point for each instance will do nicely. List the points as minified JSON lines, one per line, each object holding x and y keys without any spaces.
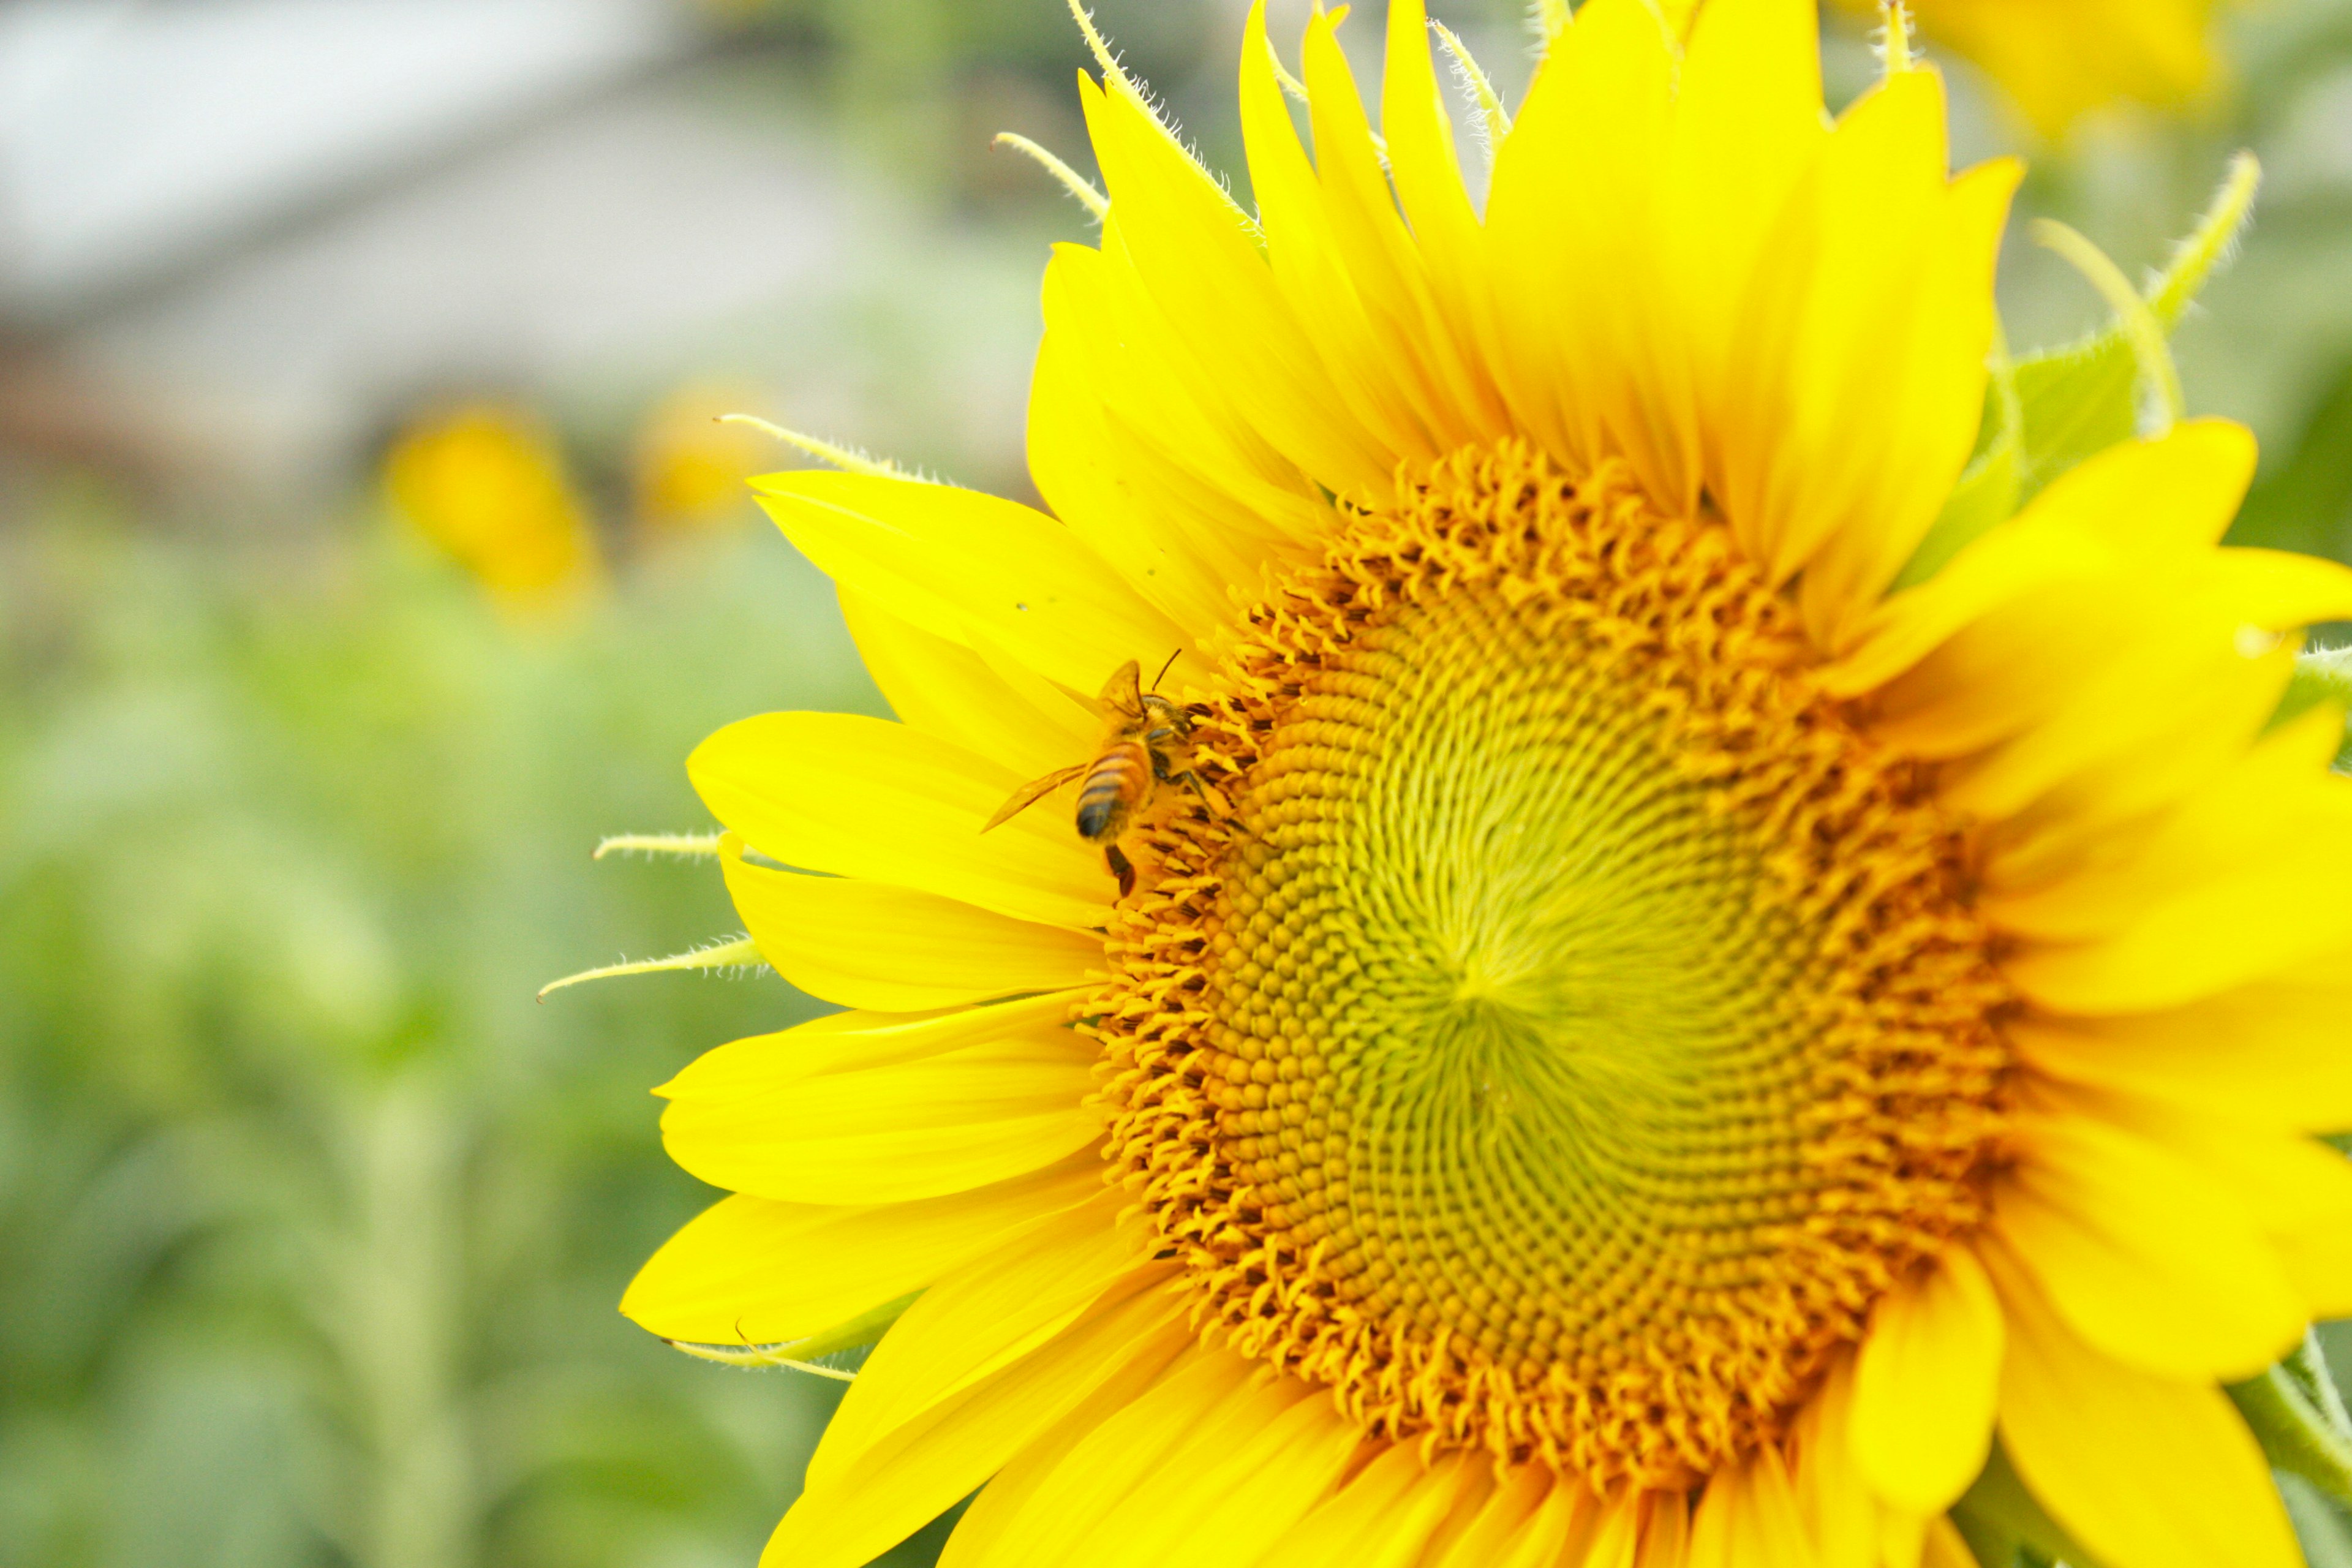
{"x":2078,"y":400}
{"x":2323,"y":675}
{"x":860,"y":1331}
{"x":2301,"y":1435}
{"x":2004,"y":1526}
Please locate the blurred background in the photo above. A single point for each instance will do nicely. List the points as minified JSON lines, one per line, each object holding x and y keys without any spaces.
{"x":367,"y":549}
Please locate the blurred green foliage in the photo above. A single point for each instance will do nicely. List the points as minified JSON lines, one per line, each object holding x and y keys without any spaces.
{"x":312,"y":1223}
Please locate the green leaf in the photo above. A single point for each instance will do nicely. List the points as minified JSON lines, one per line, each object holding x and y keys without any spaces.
{"x":2306,"y":502}
{"x":2075,"y":403}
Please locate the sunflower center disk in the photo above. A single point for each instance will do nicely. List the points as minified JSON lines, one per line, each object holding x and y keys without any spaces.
{"x":1574,"y":1028}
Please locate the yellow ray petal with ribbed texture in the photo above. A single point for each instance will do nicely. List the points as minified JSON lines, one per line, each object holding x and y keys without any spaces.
{"x":1234,"y":1485}
{"x":2142,"y":1253}
{"x":921,"y":1467}
{"x":2173,"y":1478}
{"x":761,"y":1116}
{"x":2271,"y":1053}
{"x":1441,"y":376}
{"x":1384,"y":1515}
{"x":1565,"y":224}
{"x":1311,"y":266}
{"x":961,"y":563}
{"x":1924,"y":1386}
{"x":1120,"y":402}
{"x":2142,"y":498}
{"x":1746,"y":125}
{"x":868,"y":944}
{"x":1203,"y":1468}
{"x":974,"y":1320}
{"x":1748,"y":1517}
{"x":1082,"y":457}
{"x":2274,"y":792}
{"x":2297,"y":1192}
{"x":2161,"y":710}
{"x":954,"y":691}
{"x":1531,"y":1516}
{"x":1427,"y":178}
{"x":753,"y":1271}
{"x":1932,"y":383}
{"x":1006,"y":1496}
{"x":862,"y":797}
{"x":1846,"y":1521}
{"x":1821,"y":435}
{"x":2193,"y":941}
{"x":1196,"y":255}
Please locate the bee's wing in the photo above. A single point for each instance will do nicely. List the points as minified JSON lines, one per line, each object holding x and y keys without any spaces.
{"x":1030,"y":794}
{"x":1123,"y":692}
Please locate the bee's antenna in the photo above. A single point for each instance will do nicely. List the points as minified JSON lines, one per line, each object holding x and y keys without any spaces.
{"x":1165,"y":668}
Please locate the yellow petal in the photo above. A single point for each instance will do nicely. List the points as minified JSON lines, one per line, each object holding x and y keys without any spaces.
{"x":1382,"y":1518}
{"x":1568,"y":223}
{"x":961,"y":564}
{"x":1531,"y":1517}
{"x":2240,"y":881}
{"x":860,"y":797}
{"x":1924,"y":1386}
{"x":1210,"y":1465}
{"x":2142,"y":1253}
{"x":752,"y":1271}
{"x":1441,"y":380}
{"x":1848,"y":1524}
{"x":2271,"y":1053}
{"x":1935,"y":381}
{"x":1945,"y":1547}
{"x":1822,"y":433}
{"x":1747,"y":124}
{"x":2297,"y":1192}
{"x":1419,"y":134}
{"x":2176,"y":491}
{"x":950,"y":689}
{"x":912,"y":1476}
{"x":868,"y":944}
{"x":2113,"y":721}
{"x":1195,"y":255}
{"x":1135,"y":445}
{"x":1748,"y":1519}
{"x":2145,"y":1472}
{"x":863,"y":1121}
{"x":976,"y":1319}
{"x":1316,"y":269}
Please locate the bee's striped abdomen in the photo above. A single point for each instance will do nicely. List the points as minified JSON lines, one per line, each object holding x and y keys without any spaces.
{"x":1120,"y":778}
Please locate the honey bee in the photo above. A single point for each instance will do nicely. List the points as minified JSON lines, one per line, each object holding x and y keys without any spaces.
{"x":1140,"y":730}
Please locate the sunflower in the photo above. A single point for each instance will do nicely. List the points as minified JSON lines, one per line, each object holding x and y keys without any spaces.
{"x":2059,"y":59}
{"x":1647,"y":1027}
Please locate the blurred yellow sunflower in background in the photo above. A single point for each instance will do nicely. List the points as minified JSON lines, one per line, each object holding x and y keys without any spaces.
{"x":2059,"y":59}
{"x":1644,"y":1030}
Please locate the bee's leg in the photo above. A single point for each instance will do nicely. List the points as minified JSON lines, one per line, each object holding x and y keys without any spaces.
{"x":1190,"y":781}
{"x":1121,"y":867}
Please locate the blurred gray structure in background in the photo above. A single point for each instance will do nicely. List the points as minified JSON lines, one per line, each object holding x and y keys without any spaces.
{"x":237,"y":236}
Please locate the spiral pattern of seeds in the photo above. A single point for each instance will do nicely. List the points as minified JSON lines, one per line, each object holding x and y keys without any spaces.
{"x":1573,"y":1028}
